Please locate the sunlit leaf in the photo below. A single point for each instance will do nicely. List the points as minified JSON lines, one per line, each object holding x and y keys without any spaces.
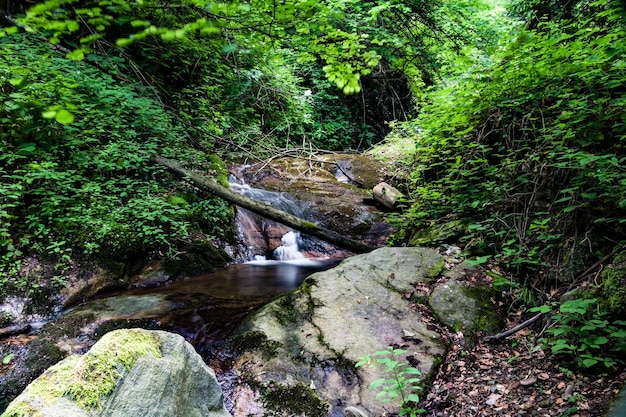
{"x":64,"y":117}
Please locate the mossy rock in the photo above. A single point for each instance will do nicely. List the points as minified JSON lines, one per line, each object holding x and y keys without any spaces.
{"x":440,"y":233}
{"x":132,"y":372}
{"x":612,"y":291}
{"x":297,"y":400}
{"x":464,"y":306}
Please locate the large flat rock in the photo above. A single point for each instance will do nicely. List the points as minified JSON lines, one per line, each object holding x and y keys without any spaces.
{"x":305,"y":344}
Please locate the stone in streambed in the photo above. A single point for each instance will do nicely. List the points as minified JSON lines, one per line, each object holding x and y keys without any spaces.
{"x":299,"y":351}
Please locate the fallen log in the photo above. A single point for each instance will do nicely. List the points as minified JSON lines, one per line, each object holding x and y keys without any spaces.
{"x":264,"y":210}
{"x":14,"y":330}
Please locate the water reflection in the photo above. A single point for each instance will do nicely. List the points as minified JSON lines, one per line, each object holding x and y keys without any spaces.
{"x":207,"y":308}
{"x":263,"y":279}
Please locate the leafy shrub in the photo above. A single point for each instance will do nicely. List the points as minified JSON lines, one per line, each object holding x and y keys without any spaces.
{"x":400,"y":384}
{"x":585,"y":333}
{"x":532,"y":150}
{"x":75,"y":150}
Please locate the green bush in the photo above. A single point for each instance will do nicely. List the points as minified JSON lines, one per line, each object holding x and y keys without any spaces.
{"x":583,"y":332}
{"x":531,"y":149}
{"x":75,"y":149}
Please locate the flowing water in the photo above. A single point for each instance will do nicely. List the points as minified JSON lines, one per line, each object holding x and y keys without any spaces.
{"x":205,"y":309}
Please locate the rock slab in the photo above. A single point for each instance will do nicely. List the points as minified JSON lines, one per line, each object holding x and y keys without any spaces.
{"x":305,"y":344}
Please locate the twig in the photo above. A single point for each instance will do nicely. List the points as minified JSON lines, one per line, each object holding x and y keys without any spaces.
{"x":515,"y":329}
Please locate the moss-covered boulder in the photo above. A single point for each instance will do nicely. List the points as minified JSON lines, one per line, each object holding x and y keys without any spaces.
{"x":612,"y":291}
{"x":128,"y":373}
{"x":464,"y":305}
{"x":305,"y":344}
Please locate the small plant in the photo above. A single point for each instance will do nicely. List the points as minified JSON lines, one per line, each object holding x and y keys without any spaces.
{"x":400,"y":384}
{"x":584,"y":332}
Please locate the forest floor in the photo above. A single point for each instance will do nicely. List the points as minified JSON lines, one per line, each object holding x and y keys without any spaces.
{"x":514,"y":376}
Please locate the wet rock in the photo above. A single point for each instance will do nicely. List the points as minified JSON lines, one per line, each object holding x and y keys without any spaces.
{"x":339,"y":206}
{"x":314,"y":336}
{"x":128,"y":373}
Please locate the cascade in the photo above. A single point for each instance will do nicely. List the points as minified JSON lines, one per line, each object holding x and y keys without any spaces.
{"x":260,"y":235}
{"x":288,"y":251}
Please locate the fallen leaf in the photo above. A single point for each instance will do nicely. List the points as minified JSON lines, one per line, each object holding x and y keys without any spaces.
{"x":493,"y":399}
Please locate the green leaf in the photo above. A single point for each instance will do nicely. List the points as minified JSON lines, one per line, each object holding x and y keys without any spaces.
{"x":75,"y":55}
{"x":64,"y":117}
{"x":589,"y":362}
{"x":231,"y":47}
{"x":7,"y":359}
{"x":377,"y":383}
{"x":49,"y":114}
{"x":412,"y":398}
{"x":17,"y":82}
{"x":123,"y":42}
{"x":541,"y":309}
{"x":479,"y":260}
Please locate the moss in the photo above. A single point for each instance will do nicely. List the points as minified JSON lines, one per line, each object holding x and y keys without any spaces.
{"x":179,"y":200}
{"x":309,"y":225}
{"x":255,"y":340}
{"x":220,"y":169}
{"x":486,"y":319}
{"x":436,"y":269}
{"x":86,"y":379}
{"x":298,"y":400}
{"x":20,"y":409}
{"x":440,"y":233}
{"x":612,"y":291}
{"x":286,"y":312}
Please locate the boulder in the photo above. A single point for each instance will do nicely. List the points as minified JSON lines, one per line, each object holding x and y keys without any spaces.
{"x":298,"y":353}
{"x":464,"y":305}
{"x":131,"y":372}
{"x":387,"y":195}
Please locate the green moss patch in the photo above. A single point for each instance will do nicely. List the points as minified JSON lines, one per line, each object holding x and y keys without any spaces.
{"x":298,"y":400}
{"x":86,"y":379}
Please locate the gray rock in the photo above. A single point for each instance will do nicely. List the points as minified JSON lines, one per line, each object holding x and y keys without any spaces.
{"x":462,"y":305}
{"x":315,"y":335}
{"x":131,"y":372}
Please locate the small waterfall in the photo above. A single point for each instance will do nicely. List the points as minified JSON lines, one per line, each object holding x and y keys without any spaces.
{"x":289,"y":250}
{"x":260,"y":235}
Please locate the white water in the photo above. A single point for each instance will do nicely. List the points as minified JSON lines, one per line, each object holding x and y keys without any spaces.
{"x":289,"y":249}
{"x":253,"y":228}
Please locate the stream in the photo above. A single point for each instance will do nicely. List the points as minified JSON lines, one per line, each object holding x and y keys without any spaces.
{"x":270,"y":260}
{"x":207,"y":308}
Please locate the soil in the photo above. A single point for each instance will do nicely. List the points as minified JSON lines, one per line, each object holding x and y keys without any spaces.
{"x":514,"y":376}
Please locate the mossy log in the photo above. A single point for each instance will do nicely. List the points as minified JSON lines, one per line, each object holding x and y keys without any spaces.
{"x":264,"y":210}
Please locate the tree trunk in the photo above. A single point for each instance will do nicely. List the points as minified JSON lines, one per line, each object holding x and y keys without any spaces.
{"x":265,"y":210}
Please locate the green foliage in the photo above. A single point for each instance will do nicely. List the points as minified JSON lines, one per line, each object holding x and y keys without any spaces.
{"x":532,"y":150}
{"x":582,"y":331}
{"x":77,"y":178}
{"x":401,"y":383}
